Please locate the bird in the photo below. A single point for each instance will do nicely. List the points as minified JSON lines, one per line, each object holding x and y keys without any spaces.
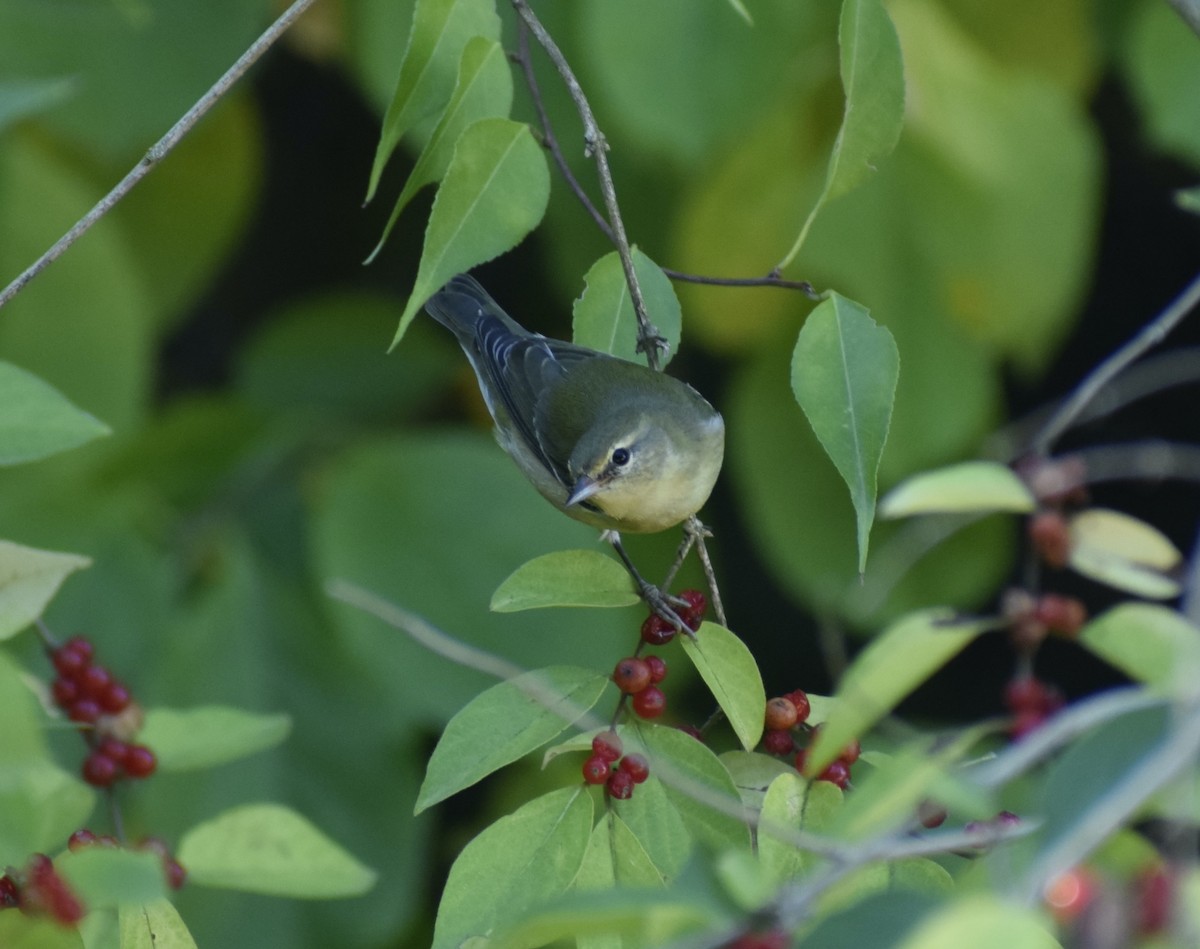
{"x":609,"y":442}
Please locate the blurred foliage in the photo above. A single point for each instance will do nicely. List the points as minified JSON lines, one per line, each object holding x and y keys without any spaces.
{"x":216,"y":514}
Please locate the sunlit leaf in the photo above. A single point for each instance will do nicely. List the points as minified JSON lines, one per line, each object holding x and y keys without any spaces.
{"x":155,"y":925}
{"x":494,"y":193}
{"x":969,"y":486}
{"x":186,"y":739}
{"x":731,"y":673}
{"x":505,"y":723}
{"x":1123,"y":552}
{"x":29,"y":579}
{"x":1149,"y":643}
{"x":844,"y":372}
{"x":109,"y":876}
{"x":565,"y":578}
{"x":604,"y":317}
{"x":269,"y":848}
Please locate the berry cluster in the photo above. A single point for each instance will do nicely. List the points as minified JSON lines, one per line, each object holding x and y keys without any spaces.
{"x":1150,"y":901}
{"x":639,"y":678}
{"x":1031,"y":701}
{"x":787,"y":713}
{"x":608,"y":765}
{"x":39,"y":891}
{"x":172,"y":869}
{"x":1032,"y":618}
{"x":89,"y":694}
{"x":657,"y":631}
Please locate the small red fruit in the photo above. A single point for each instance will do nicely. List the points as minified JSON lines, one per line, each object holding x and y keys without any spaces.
{"x":636,"y":766}
{"x":1051,"y":538}
{"x":778,"y":741}
{"x":620,"y":785}
{"x":801,"y":759}
{"x":100,"y":770}
{"x":48,"y":891}
{"x":799,"y":698}
{"x":596,"y":770}
{"x":697,"y":605}
{"x":838,"y":772}
{"x":65,"y":691}
{"x":115,"y":698}
{"x":931,"y":814}
{"x":631,"y":675}
{"x":175,"y":873}
{"x":658,"y":669}
{"x":1064,"y":615}
{"x":80,"y":839}
{"x":10,"y":893}
{"x":1070,"y":893}
{"x":691,"y":730}
{"x":656,"y":631}
{"x":139,"y":761}
{"x":850,"y":753}
{"x":1155,"y":894}
{"x":93,"y":681}
{"x":608,"y":746}
{"x":781,"y":713}
{"x":84,"y":711}
{"x":68,"y":661}
{"x":650,"y":702}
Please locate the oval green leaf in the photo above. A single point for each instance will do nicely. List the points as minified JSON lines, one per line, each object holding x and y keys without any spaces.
{"x":186,"y":739}
{"x":982,"y":922}
{"x":901,"y":658}
{"x":18,"y":931}
{"x":844,"y":372}
{"x":108,"y":876}
{"x":565,"y":578}
{"x":505,"y":723}
{"x":971,"y":486}
{"x":155,"y":925}
{"x":269,"y":848}
{"x":731,"y":674}
{"x":525,"y":858}
{"x":1123,"y":552}
{"x":29,"y":578}
{"x":38,"y":420}
{"x":494,"y":193}
{"x":440,"y":30}
{"x":1149,"y":643}
{"x":483,"y":90}
{"x":604,"y":318}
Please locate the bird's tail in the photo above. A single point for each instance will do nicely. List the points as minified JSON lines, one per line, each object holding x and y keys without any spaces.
{"x":462,"y":303}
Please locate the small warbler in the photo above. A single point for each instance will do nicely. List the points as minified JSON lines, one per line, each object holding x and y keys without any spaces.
{"x":608,"y":442}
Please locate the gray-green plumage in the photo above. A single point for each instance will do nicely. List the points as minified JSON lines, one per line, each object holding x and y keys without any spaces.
{"x":607,"y":441}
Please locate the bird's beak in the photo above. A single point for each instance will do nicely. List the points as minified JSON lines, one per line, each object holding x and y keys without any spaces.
{"x":584,"y":488}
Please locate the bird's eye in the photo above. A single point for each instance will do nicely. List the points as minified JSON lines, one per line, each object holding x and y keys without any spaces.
{"x":620,"y":457}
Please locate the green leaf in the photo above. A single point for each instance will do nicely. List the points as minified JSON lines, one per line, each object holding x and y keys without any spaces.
{"x":752,"y":774}
{"x":18,"y":931}
{"x":615,"y":857}
{"x":29,"y":579}
{"x":40,"y":806}
{"x":269,"y":848}
{"x":1123,"y":552}
{"x":844,"y":372}
{"x":522,"y":859}
{"x":685,"y":765}
{"x":185,"y":740}
{"x":873,"y":79}
{"x":565,"y":578}
{"x":24,"y":97}
{"x":731,"y":674}
{"x":494,"y":193}
{"x":604,"y":317}
{"x":505,"y":723}
{"x":971,"y":486}
{"x":982,"y":922}
{"x":901,"y":658}
{"x":1149,"y":643}
{"x":440,"y":31}
{"x":155,"y":925}
{"x":657,"y":825}
{"x":107,"y":876}
{"x":482,"y":90}
{"x":786,"y":804}
{"x":38,"y":420}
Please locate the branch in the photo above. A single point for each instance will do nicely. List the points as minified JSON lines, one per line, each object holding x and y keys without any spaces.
{"x":1151,"y":335}
{"x":160,"y":149}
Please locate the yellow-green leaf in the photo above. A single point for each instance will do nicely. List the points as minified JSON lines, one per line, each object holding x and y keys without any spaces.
{"x":971,"y":486}
{"x":729,"y":670}
{"x":29,"y":579}
{"x":565,"y":578}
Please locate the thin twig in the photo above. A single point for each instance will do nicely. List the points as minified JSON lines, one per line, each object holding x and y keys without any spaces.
{"x":696,"y":529}
{"x":595,"y":145}
{"x":551,"y":144}
{"x":160,"y":149}
{"x":1150,"y":335}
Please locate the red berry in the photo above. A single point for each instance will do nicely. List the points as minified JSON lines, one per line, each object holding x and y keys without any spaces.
{"x":658,"y":669}
{"x":781,"y":713}
{"x":636,"y":766}
{"x":596,"y":770}
{"x":65,"y":691}
{"x":100,"y":770}
{"x":650,"y":702}
{"x":768,"y":939}
{"x":83,"y":710}
{"x":1051,"y":538}
{"x":620,"y":785}
{"x":697,"y":604}
{"x":1006,"y":819}
{"x":838,"y":772}
{"x":1027,"y":694}
{"x":113,"y":748}
{"x":140,"y":761}
{"x":108,"y":840}
{"x":48,"y":891}
{"x":850,"y":753}
{"x":68,"y":662}
{"x":115,"y":698}
{"x":608,"y":746}
{"x":656,"y":631}
{"x":801,"y":760}
{"x":631,"y":675}
{"x":10,"y":894}
{"x":1070,"y":893}
{"x":1155,"y":894}
{"x":799,"y":698}
{"x":80,"y":839}
{"x":93,"y":681}
{"x":175,"y":873}
{"x":691,"y":730}
{"x":1064,"y":615}
{"x":81,"y":645}
{"x":778,"y":741}
{"x":931,"y":814}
